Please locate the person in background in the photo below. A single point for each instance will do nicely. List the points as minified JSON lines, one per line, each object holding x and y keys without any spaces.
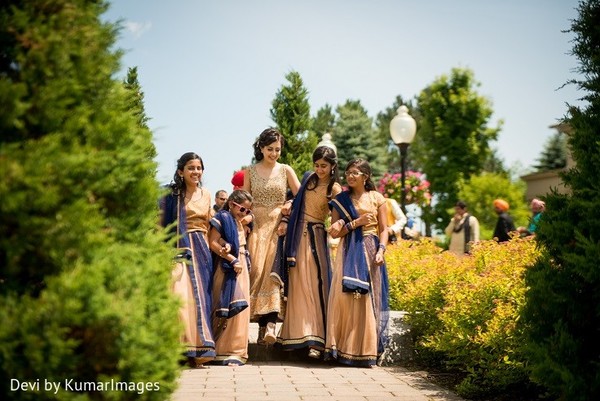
{"x":220,"y":199}
{"x":396,"y":220}
{"x":231,"y":281}
{"x":462,"y":230}
{"x":537,"y":208}
{"x":504,"y":225}
{"x":358,"y":310}
{"x":308,"y":257}
{"x":188,"y":205}
{"x":267,"y":181}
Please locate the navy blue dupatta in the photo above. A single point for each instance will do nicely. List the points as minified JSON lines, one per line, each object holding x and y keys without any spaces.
{"x":356,"y":269}
{"x":173,"y":209}
{"x":294,"y":228}
{"x":229,"y":304}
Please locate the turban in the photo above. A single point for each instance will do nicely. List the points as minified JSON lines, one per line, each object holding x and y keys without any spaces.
{"x":238,"y":179}
{"x":538,"y":205}
{"x":501,"y":204}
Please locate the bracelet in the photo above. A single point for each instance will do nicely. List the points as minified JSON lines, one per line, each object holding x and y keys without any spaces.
{"x":348,"y":226}
{"x":382,"y":247}
{"x":234,"y":261}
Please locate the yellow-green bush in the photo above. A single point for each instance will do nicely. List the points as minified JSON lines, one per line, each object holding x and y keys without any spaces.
{"x":465,"y":308}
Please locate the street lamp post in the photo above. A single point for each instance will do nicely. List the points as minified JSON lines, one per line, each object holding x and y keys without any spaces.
{"x":402,"y":130}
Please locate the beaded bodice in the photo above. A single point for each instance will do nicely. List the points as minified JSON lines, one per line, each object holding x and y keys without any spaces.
{"x":268,"y":192}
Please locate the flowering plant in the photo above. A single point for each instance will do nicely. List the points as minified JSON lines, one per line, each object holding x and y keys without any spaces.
{"x":417,"y":187}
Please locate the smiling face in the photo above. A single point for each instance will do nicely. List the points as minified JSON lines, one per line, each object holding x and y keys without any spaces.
{"x":272,"y":151}
{"x":192,"y":173}
{"x":355,"y":178}
{"x":322,"y":169}
{"x":240,"y":210}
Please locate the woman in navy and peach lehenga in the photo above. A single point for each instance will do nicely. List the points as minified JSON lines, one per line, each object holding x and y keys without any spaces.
{"x":358,"y":309}
{"x":188,"y":206}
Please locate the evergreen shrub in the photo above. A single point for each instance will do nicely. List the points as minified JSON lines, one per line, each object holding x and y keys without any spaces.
{"x":84,"y":270}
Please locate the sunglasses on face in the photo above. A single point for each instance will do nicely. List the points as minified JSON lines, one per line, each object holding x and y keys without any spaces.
{"x":242,"y":208}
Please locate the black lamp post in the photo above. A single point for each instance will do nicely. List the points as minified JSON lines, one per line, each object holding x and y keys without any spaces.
{"x":402,"y":130}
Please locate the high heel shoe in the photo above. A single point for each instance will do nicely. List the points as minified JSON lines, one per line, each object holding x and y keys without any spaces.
{"x":270,"y":336}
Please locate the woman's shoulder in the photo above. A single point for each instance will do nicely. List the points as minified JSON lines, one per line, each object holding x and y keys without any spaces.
{"x":336,"y":189}
{"x":378,"y":198}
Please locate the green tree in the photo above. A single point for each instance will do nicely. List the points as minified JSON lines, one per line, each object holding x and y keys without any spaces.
{"x":562,"y":303}
{"x":291,"y":113}
{"x":454,"y":137}
{"x":554,"y":155}
{"x":84,"y":277}
{"x":479,"y":193}
{"x":355,"y":137}
{"x":324,"y":121}
{"x":495,"y":164}
{"x":136,"y":97}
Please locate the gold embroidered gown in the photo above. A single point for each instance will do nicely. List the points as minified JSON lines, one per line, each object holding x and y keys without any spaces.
{"x":269,"y":197}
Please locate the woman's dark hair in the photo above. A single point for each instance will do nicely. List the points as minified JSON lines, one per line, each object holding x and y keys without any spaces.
{"x":364,"y":167}
{"x":238,"y":196}
{"x":266,"y":138}
{"x":178,"y":184}
{"x":327,"y":154}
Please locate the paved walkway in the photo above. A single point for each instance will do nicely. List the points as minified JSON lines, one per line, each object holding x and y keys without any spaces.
{"x":295,"y":381}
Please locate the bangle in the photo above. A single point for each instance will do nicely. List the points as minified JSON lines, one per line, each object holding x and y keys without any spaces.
{"x":353,"y":224}
{"x":349,"y":226}
{"x":382,"y":247}
{"x":234,"y":261}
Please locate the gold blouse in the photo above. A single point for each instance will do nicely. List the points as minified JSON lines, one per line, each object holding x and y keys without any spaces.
{"x":369,"y":203}
{"x":316,"y":204}
{"x":197,"y":212}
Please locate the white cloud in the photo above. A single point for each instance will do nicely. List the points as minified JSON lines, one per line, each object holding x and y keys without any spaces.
{"x":137,"y":28}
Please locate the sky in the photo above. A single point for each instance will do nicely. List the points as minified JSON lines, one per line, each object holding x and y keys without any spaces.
{"x":209,"y":70}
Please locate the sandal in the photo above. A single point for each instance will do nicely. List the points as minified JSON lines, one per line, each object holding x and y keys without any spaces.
{"x":314,"y":353}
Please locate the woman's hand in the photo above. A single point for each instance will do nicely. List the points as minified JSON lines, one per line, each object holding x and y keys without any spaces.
{"x":336,"y":228}
{"x":225,"y":249}
{"x":379,"y":259}
{"x":246,"y":220}
{"x":286,"y":209}
{"x":237,"y":267}
{"x":365,"y":219}
{"x":282,"y":228}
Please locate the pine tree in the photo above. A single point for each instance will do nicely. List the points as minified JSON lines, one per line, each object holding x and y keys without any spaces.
{"x":291,"y":113}
{"x":355,"y":137}
{"x":554,"y":155}
{"x":324,"y":121}
{"x":84,"y":278}
{"x":561,"y":315}
{"x":136,"y":97}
